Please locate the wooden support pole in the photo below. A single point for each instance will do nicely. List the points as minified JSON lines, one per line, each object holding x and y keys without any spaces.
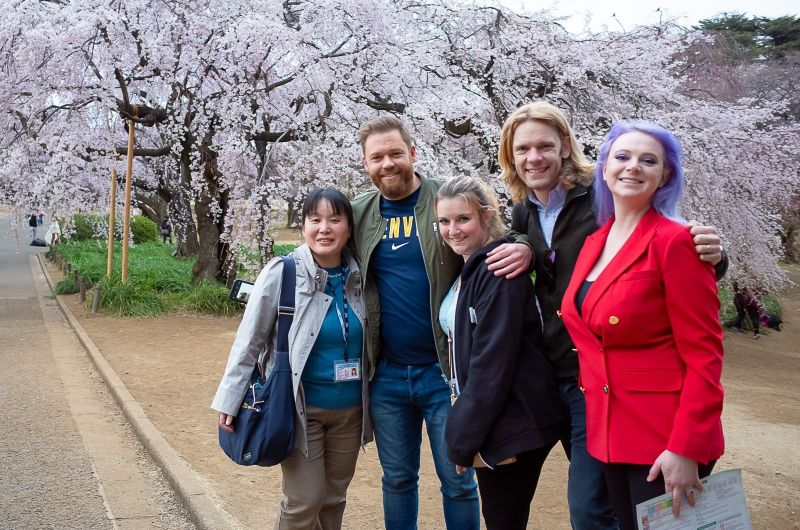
{"x":126,"y":227}
{"x":112,"y":217}
{"x":82,"y":285}
{"x":96,"y":298}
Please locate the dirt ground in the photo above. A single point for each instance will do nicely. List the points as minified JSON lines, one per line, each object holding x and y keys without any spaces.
{"x":172,"y":366}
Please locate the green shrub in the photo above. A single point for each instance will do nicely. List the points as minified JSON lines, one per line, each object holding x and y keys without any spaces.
{"x":88,"y":257}
{"x":727,"y":311}
{"x":249,"y":261}
{"x":130,"y":299}
{"x":67,"y":286}
{"x":157,"y":282}
{"x":86,"y":226}
{"x":154,"y":267}
{"x":208,"y":297}
{"x":773,"y":306}
{"x":94,"y":226}
{"x":283,"y":249}
{"x":143,"y":229}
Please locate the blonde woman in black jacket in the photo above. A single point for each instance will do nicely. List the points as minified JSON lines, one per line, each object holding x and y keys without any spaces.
{"x":507,"y":413}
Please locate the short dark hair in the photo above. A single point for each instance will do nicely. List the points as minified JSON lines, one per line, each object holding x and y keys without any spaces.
{"x":383,"y":124}
{"x":666,"y":198}
{"x":340,"y":205}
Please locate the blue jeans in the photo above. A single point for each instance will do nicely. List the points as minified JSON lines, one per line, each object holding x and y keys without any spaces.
{"x":400,"y":398}
{"x":587,"y":493}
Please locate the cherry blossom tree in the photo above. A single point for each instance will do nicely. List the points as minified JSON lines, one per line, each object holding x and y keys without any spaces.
{"x":243,"y":105}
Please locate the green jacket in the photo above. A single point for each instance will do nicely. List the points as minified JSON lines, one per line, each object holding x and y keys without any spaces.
{"x":441,"y":263}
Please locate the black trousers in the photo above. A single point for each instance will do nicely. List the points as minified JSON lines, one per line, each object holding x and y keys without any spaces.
{"x":628,"y":486}
{"x":752,"y":312}
{"x":507,"y":491}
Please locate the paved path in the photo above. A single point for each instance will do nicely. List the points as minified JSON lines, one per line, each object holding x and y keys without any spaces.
{"x":68,"y":457}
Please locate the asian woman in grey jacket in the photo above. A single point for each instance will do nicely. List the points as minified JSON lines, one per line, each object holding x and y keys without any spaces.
{"x":326,"y":357}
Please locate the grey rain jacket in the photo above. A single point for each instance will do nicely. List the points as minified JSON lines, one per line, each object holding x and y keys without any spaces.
{"x":256,"y":337}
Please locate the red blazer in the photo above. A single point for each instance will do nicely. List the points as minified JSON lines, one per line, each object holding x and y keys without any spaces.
{"x":649,"y":345}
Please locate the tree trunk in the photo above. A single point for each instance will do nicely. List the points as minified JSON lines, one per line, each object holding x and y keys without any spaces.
{"x":180,"y":211}
{"x":207,"y":265}
{"x":213,"y":254}
{"x":152,"y":205}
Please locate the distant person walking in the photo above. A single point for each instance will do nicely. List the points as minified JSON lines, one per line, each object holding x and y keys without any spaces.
{"x":32,"y":218}
{"x":166,"y":231}
{"x":746,"y":303}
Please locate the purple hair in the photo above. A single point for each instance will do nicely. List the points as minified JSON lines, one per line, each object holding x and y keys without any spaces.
{"x":666,"y":198}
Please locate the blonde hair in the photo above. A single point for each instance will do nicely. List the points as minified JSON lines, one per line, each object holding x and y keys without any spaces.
{"x":574,"y":170}
{"x":478,"y":194}
{"x":383,"y":124}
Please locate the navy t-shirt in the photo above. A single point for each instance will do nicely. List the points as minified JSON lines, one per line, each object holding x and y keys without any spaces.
{"x":399,"y":271}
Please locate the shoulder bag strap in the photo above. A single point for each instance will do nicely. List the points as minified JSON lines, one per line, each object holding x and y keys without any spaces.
{"x":286,"y":303}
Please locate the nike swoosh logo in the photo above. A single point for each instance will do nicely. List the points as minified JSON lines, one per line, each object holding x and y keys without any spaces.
{"x":395,"y":247}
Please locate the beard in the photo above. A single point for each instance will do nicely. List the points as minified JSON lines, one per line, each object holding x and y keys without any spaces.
{"x":397,"y":188}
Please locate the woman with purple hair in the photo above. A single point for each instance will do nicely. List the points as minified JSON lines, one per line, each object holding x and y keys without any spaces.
{"x":642,"y":311}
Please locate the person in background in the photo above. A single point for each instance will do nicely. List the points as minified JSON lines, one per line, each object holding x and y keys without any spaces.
{"x":746,"y":304}
{"x":32,"y":218}
{"x":643,"y":313}
{"x":550,"y":180}
{"x":325,"y":346}
{"x":507,"y":413}
{"x":53,"y":234}
{"x":166,"y":230}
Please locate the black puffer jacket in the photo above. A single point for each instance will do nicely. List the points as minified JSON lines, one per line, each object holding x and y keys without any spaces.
{"x":509,"y":400}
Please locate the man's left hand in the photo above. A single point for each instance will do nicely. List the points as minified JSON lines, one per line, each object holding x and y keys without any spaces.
{"x":510,"y":260}
{"x":706,"y":241}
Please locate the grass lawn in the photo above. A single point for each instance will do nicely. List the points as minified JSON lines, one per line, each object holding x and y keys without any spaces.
{"x":157,"y":282}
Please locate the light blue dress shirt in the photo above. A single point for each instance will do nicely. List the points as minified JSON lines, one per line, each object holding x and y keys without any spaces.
{"x":548,"y":213}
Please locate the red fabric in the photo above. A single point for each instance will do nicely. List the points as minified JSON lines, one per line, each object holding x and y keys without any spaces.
{"x":650,"y":334}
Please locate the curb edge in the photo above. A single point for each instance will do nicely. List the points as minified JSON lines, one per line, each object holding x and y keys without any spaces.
{"x":195,"y":492}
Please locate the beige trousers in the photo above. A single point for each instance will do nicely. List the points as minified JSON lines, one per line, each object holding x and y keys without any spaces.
{"x":315,"y":488}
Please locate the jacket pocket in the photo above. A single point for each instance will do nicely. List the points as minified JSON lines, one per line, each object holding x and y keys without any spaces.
{"x":644,"y":380}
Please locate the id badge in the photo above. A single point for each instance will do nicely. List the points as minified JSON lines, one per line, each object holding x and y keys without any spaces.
{"x":347,"y":371}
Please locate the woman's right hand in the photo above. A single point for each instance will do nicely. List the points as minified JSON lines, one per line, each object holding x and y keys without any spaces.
{"x":226,"y":422}
{"x":680,"y":478}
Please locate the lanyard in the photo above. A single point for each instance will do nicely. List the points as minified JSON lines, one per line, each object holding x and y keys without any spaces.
{"x":344,"y":313}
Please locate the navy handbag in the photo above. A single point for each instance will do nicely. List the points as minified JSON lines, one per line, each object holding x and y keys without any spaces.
{"x":263,"y":430}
